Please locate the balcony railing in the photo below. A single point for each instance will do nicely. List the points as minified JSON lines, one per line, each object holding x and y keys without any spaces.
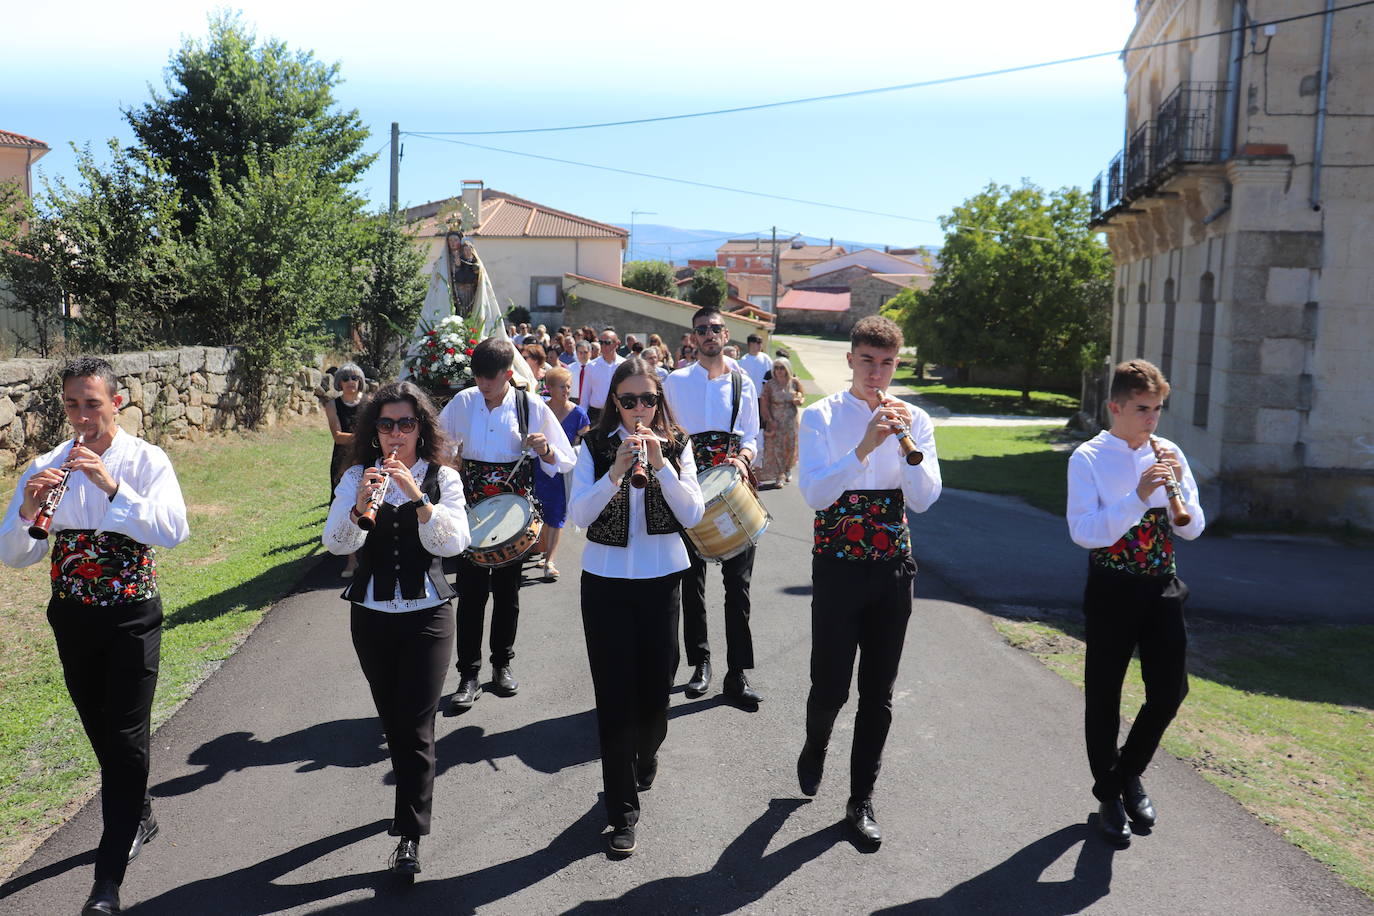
{"x":1138,"y":158}
{"x":1095,"y":198}
{"x":1115,"y":189}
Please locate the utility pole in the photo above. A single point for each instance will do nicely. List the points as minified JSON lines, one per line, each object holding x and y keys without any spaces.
{"x":773,"y":299}
{"x":395,"y":166}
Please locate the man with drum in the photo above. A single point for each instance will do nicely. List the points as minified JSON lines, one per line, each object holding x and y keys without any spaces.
{"x":718,"y":407}
{"x":494,"y":427}
{"x":866,"y":459}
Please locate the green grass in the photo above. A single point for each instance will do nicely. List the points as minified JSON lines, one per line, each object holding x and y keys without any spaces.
{"x":1007,"y":401}
{"x":1026,"y":461}
{"x":1280,"y":718}
{"x":255,"y":507}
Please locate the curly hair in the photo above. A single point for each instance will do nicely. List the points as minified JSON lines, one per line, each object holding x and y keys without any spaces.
{"x":1137,"y":376}
{"x":876,"y":331}
{"x":433,"y":445}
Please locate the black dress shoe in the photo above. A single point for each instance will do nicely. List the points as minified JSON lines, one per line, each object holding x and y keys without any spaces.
{"x":469,"y":689}
{"x":1138,"y":805}
{"x":645,"y":774}
{"x":859,"y":816}
{"x":1111,"y":820}
{"x":104,"y":899}
{"x":406,"y":859}
{"x":504,"y":684}
{"x":622,"y":842}
{"x":700,"y":682}
{"x":810,"y":768}
{"x":147,"y":829}
{"x":737,"y":688}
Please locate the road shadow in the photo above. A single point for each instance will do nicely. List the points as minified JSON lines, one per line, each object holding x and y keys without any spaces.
{"x":51,"y":870}
{"x":1016,"y":885}
{"x":267,"y":587}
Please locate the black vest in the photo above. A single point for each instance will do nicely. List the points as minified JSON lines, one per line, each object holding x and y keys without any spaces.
{"x":393,"y":553}
{"x":612,"y":526}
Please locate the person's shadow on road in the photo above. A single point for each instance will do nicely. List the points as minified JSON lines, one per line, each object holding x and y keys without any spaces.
{"x":1016,"y":883}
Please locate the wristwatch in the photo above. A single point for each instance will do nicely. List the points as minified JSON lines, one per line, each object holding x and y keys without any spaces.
{"x":424,"y":500}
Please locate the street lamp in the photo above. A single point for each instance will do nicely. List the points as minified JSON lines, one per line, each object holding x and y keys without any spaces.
{"x":633,"y":214}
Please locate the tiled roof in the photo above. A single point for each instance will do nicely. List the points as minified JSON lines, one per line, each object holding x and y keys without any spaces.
{"x":9,"y":138}
{"x":680,"y":303}
{"x":900,"y":279}
{"x":507,"y":216}
{"x":765,"y":246}
{"x":811,"y":253}
{"x":815,"y":300}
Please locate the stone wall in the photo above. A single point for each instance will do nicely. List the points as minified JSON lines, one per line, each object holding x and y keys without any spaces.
{"x":187,"y":393}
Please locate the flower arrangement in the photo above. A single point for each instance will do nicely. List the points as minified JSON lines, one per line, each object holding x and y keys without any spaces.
{"x":442,"y":362}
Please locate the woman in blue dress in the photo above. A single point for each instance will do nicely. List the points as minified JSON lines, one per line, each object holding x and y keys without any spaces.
{"x":551,"y":491}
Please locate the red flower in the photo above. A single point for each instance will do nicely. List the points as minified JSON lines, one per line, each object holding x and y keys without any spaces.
{"x":468,"y":351}
{"x":491,"y":489}
{"x":881,"y":541}
{"x":450,"y":351}
{"x":54,"y":571}
{"x":718,"y":458}
{"x":854,"y":532}
{"x":88,"y":570}
{"x":432,"y":332}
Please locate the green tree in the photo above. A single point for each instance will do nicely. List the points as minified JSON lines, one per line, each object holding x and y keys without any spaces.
{"x":27,"y":279}
{"x":656,"y":277}
{"x":393,"y":294}
{"x":231,"y":100}
{"x":1023,"y":283}
{"x":708,"y":287}
{"x":273,"y":257}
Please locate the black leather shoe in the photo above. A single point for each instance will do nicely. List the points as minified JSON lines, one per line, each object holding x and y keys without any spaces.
{"x":810,"y":768}
{"x":147,"y":829}
{"x":1138,"y":805}
{"x":736,"y":687}
{"x":469,"y":689}
{"x":503,"y":683}
{"x":1111,"y":820}
{"x":645,"y":774}
{"x":700,"y":682}
{"x":859,"y":816}
{"x":104,"y":899}
{"x":406,"y":859}
{"x":622,"y":842}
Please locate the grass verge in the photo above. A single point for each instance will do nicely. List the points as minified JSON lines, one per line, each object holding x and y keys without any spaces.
{"x":1281,"y":718}
{"x":1026,"y":461}
{"x":1004,"y":401}
{"x":254,"y":531}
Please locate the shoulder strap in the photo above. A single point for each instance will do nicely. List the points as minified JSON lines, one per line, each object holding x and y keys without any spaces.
{"x":736,"y":386}
{"x":522,"y":412}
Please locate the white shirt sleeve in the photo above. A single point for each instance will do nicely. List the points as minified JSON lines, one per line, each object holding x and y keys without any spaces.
{"x":17,"y":548}
{"x":681,"y":490}
{"x":921,"y":483}
{"x":821,"y":480}
{"x":342,"y":535}
{"x":589,"y":495}
{"x":1093,"y":523}
{"x":149,"y":507}
{"x":446,"y":534}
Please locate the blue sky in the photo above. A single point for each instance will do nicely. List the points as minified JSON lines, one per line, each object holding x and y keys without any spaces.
{"x":491,"y":66}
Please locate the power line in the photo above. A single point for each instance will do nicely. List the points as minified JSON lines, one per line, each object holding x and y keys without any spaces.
{"x":902,"y":86}
{"x":713,"y":187}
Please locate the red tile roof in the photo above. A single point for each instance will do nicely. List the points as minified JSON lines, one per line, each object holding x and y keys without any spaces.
{"x":680,"y":303}
{"x":815,"y":300}
{"x":9,"y":138}
{"x":507,"y":216}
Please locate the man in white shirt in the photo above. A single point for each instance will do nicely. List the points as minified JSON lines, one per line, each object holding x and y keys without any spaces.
{"x":756,"y":364}
{"x":598,"y":373}
{"x":494,"y":427}
{"x":1119,"y":507}
{"x":121,"y":501}
{"x":718,"y":407}
{"x":583,"y":351}
{"x":856,"y":477}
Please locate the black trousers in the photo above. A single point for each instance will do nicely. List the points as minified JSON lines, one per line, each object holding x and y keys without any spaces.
{"x":631,"y":631}
{"x":739,"y":641}
{"x":404,"y":657}
{"x":863,"y":609}
{"x":1124,"y":613}
{"x":110,"y":659}
{"x":474,"y":584}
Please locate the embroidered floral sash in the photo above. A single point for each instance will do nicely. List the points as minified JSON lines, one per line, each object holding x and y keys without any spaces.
{"x":714,"y":447}
{"x":864,"y":525}
{"x":102,"y":569}
{"x":1145,"y":550}
{"x":487,"y":478}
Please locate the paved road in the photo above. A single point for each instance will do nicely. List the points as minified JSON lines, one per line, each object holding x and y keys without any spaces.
{"x":272,"y":786}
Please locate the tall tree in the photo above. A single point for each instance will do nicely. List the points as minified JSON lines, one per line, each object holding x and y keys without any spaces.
{"x":230,"y":100}
{"x":656,"y":277}
{"x":27,"y":278}
{"x":708,"y":287}
{"x":393,"y":294}
{"x":1023,"y":283}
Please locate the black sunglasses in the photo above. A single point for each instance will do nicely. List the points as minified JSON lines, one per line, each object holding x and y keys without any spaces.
{"x":704,"y":329}
{"x":628,"y":401}
{"x":606,"y":343}
{"x":405,"y":424}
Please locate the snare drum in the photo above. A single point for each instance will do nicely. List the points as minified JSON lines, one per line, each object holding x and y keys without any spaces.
{"x":734,"y":517}
{"x":504,"y":527}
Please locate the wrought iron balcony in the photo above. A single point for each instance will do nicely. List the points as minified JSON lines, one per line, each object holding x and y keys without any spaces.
{"x":1187,"y":127}
{"x":1095,"y":199}
{"x":1138,"y":159}
{"x":1115,"y":188}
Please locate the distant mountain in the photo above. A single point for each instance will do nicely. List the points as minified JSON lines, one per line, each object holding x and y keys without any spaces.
{"x":654,"y":242}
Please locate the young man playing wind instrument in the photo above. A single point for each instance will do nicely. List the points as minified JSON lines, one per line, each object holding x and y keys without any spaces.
{"x":1130,"y":492}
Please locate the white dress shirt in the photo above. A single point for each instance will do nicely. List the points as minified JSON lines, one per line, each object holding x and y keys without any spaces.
{"x":831,"y":430}
{"x":598,"y":384}
{"x":757,"y":365}
{"x":148,"y":506}
{"x":577,"y":381}
{"x":446,"y":534}
{"x":1103,"y":504}
{"x":702,"y":404}
{"x":489,"y":435}
{"x":648,"y":555}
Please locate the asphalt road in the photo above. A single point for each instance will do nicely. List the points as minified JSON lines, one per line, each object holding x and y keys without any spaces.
{"x":271,"y":784}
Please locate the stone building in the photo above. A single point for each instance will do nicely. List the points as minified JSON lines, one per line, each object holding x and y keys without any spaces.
{"x":1239,"y":214}
{"x":832,"y":302}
